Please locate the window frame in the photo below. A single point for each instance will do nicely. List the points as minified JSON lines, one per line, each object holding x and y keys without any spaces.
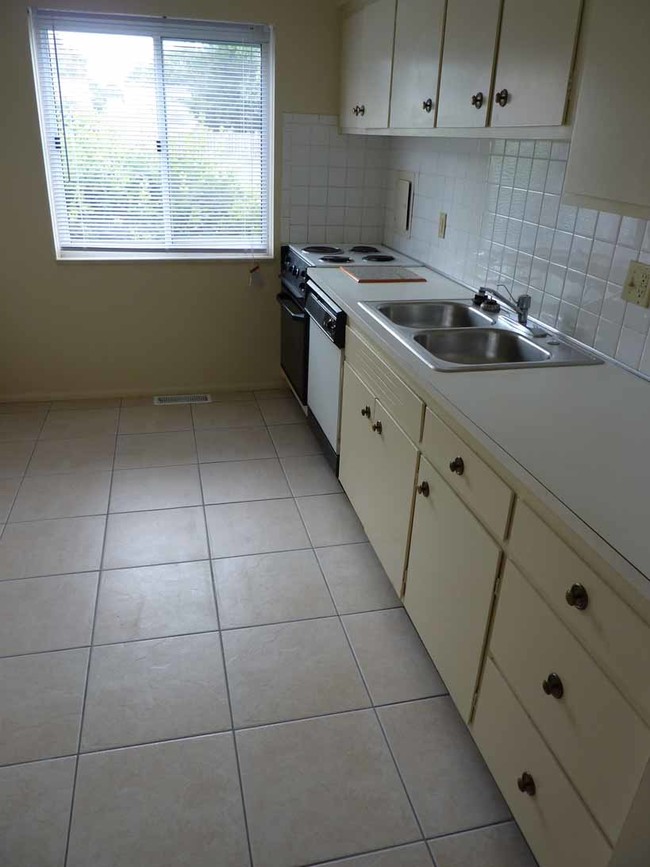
{"x":159,"y":28}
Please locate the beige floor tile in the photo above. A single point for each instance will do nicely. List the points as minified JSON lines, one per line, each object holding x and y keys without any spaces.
{"x":24,"y":406}
{"x":270,"y":588}
{"x":85,"y":454}
{"x":235,"y":481}
{"x":135,"y":451}
{"x":234,"y":445}
{"x":35,"y":804}
{"x":310,"y":475}
{"x":294,"y":440}
{"x":88,"y":403}
{"x":8,"y":491}
{"x":54,"y":613}
{"x":154,"y":602}
{"x":21,"y":425}
{"x":272,"y":393}
{"x":415,"y":855}
{"x":155,"y":419}
{"x":40,"y":712}
{"x":229,"y":396}
{"x":393,"y":659}
{"x":54,"y":547}
{"x":291,"y":671}
{"x":61,"y":425}
{"x":163,"y":804}
{"x":155,"y":690}
{"x":14,"y":458}
{"x":281,"y":410}
{"x":150,"y":538}
{"x":155,"y":488}
{"x":66,"y":495}
{"x":227,"y":415}
{"x":143,"y":400}
{"x":495,"y":846}
{"x":261,"y":527}
{"x":356,"y":578}
{"x":330,"y":520}
{"x":449,"y":784}
{"x":298,"y":777}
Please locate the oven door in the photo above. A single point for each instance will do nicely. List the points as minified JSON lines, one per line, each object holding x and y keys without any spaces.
{"x":294,"y":344}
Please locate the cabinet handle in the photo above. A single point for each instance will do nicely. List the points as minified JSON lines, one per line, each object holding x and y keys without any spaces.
{"x":377,"y":427}
{"x":577,"y":597}
{"x":502,"y":98}
{"x":427,"y":105}
{"x":553,"y":685}
{"x":477,"y":100}
{"x":362,"y":110}
{"x":526,"y":784}
{"x":423,"y":489}
{"x":366,"y":411}
{"x":457,"y":466}
{"x":355,"y":110}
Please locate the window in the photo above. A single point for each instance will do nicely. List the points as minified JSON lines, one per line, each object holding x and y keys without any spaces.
{"x":156,"y":135}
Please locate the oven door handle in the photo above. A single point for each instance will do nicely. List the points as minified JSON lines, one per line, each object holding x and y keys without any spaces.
{"x":285,"y":301}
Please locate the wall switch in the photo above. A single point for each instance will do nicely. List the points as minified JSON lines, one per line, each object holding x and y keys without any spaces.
{"x":636,"y":288}
{"x":442,"y":225}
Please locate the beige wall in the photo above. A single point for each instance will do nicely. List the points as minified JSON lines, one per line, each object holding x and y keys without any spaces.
{"x":82,"y":328}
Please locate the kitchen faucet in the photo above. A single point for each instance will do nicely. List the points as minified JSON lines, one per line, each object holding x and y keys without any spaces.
{"x":519,"y":305}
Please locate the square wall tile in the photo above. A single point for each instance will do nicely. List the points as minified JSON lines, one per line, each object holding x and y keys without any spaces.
{"x":258,"y":527}
{"x":330,"y":520}
{"x":152,"y":538}
{"x":53,"y":547}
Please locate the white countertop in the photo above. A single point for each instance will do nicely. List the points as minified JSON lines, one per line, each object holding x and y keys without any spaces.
{"x":578,"y":434}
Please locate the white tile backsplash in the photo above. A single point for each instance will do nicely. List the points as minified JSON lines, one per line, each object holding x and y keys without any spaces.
{"x":505,"y":222}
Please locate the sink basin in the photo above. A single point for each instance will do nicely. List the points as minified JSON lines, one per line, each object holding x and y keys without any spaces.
{"x":433,"y":314}
{"x":481,"y":347}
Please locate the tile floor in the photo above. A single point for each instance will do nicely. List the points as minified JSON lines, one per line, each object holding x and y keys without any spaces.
{"x":202,"y":661}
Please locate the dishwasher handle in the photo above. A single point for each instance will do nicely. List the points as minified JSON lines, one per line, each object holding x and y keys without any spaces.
{"x":284,"y":302}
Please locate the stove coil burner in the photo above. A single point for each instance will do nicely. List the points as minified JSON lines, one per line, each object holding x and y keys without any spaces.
{"x":337,"y":259}
{"x":363,"y":248}
{"x":321,"y":248}
{"x":379,"y":257}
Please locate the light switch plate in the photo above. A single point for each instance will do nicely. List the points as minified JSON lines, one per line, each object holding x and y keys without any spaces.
{"x":636,"y":288}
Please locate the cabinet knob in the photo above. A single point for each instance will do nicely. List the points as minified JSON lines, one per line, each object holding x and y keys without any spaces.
{"x":377,"y":427}
{"x":577,"y":597}
{"x":553,"y":685}
{"x":457,"y":466}
{"x":526,"y":784}
{"x":502,"y":97}
{"x":366,"y":411}
{"x":362,"y":110}
{"x":423,"y":489}
{"x":427,"y":105}
{"x":477,"y":100}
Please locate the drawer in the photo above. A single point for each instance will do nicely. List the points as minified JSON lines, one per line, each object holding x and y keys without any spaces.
{"x":554,"y":820}
{"x":403,"y":404}
{"x":600,"y":741}
{"x":608,"y":628}
{"x":473,"y":481}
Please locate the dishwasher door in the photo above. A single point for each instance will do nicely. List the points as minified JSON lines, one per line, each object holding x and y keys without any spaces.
{"x":324,"y":383}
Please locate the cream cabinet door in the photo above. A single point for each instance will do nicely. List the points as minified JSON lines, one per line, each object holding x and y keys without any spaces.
{"x":416,"y":62}
{"x":356,"y":466}
{"x":467,"y":62}
{"x":452,"y":568}
{"x":351,"y":69}
{"x":536,"y":49}
{"x":378,"y":24}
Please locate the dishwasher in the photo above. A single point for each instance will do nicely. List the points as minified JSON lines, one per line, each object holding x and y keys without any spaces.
{"x":325,"y":376}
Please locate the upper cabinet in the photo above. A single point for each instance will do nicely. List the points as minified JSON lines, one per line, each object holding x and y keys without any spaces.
{"x":368,"y":35}
{"x":609,"y":161}
{"x":467,"y":62}
{"x":535,"y":60}
{"x":416,"y":63}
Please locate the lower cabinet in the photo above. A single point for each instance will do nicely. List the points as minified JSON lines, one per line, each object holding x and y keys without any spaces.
{"x":452,"y":568}
{"x":377,"y":470}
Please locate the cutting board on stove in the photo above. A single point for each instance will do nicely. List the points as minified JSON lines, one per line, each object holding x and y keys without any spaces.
{"x":382,"y":274}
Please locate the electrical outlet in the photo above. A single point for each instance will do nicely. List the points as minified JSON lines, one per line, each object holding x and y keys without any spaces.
{"x":636,"y":288}
{"x":442,"y":225}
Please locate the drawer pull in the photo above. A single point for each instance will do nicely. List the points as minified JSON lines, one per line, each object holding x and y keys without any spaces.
{"x":366,"y":411}
{"x":377,"y":427}
{"x":424,"y":489}
{"x":526,"y":784}
{"x":477,"y":100}
{"x":457,"y":466}
{"x":577,"y":597}
{"x":553,"y":685}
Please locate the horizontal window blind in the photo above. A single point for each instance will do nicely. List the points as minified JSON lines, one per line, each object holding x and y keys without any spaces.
{"x":156,"y":133}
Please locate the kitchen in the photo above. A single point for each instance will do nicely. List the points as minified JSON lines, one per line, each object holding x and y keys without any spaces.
{"x":399,"y":620}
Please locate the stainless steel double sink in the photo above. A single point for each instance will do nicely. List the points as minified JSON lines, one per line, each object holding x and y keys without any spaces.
{"x":455,"y":335}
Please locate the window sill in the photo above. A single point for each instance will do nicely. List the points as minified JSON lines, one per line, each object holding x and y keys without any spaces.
{"x":161,"y":256}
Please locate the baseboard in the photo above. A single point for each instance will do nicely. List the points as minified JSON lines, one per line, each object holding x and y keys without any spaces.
{"x":34,"y":396}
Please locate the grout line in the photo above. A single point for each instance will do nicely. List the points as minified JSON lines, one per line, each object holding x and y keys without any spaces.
{"x":24,"y":472}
